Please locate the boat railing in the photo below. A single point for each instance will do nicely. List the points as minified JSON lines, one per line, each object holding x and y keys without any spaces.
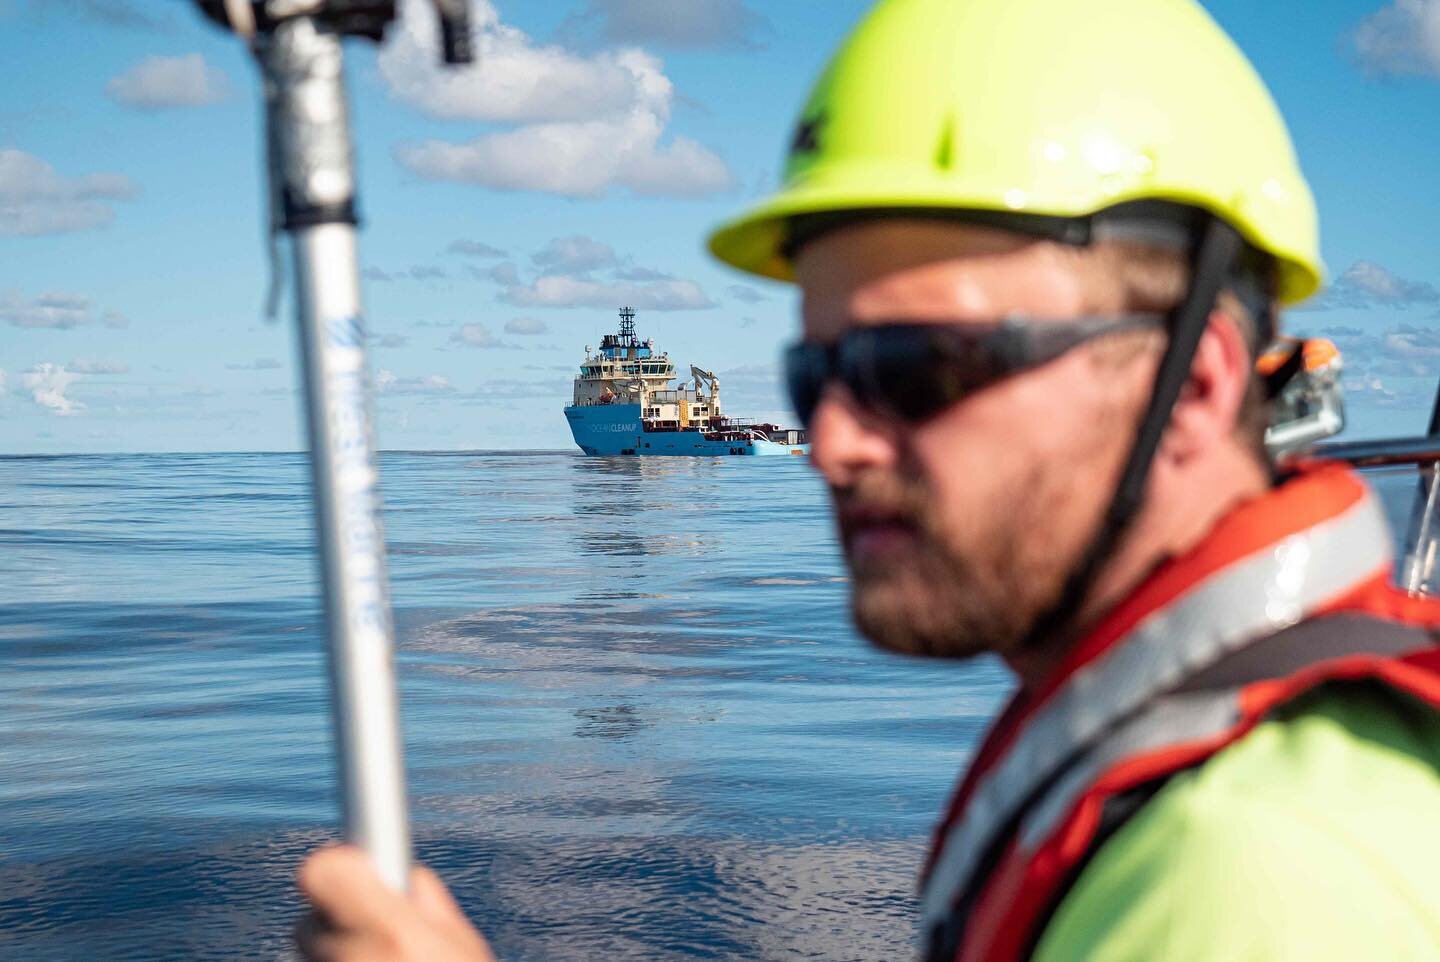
{"x":730,"y":422}
{"x":1420,"y":553}
{"x":1386,"y":452}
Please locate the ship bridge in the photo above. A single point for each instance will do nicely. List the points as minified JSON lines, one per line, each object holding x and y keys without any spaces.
{"x":627,"y":370}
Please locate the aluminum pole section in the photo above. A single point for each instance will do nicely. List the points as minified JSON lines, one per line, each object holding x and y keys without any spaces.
{"x":313,"y":180}
{"x":1421,"y":574}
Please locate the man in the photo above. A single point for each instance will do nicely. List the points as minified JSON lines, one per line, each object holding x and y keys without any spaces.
{"x":1040,"y":243}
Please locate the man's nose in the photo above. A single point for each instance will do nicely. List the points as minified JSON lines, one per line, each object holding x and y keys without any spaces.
{"x":846,"y":439}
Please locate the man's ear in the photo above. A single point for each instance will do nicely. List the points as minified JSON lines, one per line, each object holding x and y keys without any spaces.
{"x":1210,"y":403}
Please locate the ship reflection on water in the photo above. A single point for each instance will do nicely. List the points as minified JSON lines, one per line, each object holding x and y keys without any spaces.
{"x":627,"y":507}
{"x":620,"y":721}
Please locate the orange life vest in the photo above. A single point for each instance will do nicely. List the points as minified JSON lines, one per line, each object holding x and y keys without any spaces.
{"x":1289,"y":592}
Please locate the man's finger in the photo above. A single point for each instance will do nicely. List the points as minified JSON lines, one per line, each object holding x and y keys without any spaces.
{"x":316,"y":939}
{"x":434,"y":902}
{"x":341,"y":882}
{"x":430,"y":896}
{"x":319,"y":941}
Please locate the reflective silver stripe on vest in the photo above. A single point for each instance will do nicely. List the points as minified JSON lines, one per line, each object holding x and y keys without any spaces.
{"x":1257,"y":596}
{"x":1168,"y":720}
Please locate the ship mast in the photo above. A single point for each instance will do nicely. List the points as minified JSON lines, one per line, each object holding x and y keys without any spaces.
{"x":631,"y":346}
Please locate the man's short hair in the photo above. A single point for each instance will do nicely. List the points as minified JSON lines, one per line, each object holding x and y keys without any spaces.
{"x":1156,"y":279}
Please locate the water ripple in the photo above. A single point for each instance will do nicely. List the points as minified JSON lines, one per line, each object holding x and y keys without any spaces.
{"x":638,"y":725}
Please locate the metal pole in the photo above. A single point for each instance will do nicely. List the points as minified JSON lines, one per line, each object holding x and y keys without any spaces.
{"x":314,"y":181}
{"x":1422,"y":540}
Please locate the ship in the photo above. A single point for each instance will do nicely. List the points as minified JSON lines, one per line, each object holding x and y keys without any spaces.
{"x":629,"y":401}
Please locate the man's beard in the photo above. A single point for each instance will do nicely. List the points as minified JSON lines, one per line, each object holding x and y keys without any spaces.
{"x":955,"y":595}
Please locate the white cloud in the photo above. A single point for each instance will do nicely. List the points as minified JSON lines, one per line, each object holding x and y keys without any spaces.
{"x":1395,"y":354}
{"x":574,"y":255}
{"x":743,"y":292}
{"x":758,"y":390}
{"x":586,"y":124}
{"x":574,"y":160}
{"x":35,"y":199}
{"x":566,"y":265}
{"x":47,"y":384}
{"x":259,"y":364}
{"x":514,"y":79}
{"x":157,"y":83}
{"x":1364,"y":389}
{"x":558,"y":290}
{"x":1387,"y":287}
{"x":1413,"y":342}
{"x":676,"y":23}
{"x":526,"y":325}
{"x":765,"y":375}
{"x":1366,"y":284}
{"x":430,"y":384}
{"x":477,"y":335}
{"x":511,"y":388}
{"x":504,"y":274}
{"x":473,"y":248}
{"x":87,"y":366}
{"x":1401,"y":39}
{"x":683,"y":169}
{"x":417,"y":272}
{"x":57,"y":310}
{"x":632,"y":273}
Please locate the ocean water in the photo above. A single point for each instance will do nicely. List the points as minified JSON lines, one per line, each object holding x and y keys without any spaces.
{"x":639,"y":725}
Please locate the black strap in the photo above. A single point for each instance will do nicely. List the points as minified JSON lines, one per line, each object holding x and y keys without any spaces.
{"x":1293,"y":364}
{"x":1214,"y":260}
{"x":1308,"y":643}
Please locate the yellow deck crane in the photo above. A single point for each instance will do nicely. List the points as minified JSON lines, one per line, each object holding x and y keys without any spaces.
{"x":706,"y":376}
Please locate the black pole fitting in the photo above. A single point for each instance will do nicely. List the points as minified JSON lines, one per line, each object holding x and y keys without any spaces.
{"x":366,"y":19}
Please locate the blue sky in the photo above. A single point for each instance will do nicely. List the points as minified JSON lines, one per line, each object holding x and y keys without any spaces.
{"x":508,"y":213}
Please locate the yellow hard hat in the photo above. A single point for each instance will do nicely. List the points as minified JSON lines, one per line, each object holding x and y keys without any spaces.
{"x":1048,"y":108}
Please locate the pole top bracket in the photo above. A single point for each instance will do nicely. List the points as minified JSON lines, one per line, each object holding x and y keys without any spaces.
{"x":365,"y":19}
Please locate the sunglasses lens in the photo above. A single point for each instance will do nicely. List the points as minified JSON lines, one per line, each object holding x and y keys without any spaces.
{"x":916,"y":372}
{"x":909,"y":372}
{"x":806,"y":371}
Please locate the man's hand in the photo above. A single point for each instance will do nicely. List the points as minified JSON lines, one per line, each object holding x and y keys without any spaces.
{"x":357,"y":919}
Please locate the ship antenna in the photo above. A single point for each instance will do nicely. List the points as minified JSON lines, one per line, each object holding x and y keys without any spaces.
{"x":627,"y":322}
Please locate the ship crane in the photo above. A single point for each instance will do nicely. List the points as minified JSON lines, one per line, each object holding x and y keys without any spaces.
{"x":703,"y":375}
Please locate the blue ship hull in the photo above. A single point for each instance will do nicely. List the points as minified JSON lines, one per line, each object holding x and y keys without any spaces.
{"x":615,"y":429}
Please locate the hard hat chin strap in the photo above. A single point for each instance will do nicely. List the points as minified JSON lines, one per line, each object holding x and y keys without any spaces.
{"x":1213,"y":264}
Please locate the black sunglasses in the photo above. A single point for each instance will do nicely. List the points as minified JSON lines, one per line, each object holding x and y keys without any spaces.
{"x":912,"y":372}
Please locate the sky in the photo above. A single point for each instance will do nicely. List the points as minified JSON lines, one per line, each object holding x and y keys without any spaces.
{"x":510,"y":209}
